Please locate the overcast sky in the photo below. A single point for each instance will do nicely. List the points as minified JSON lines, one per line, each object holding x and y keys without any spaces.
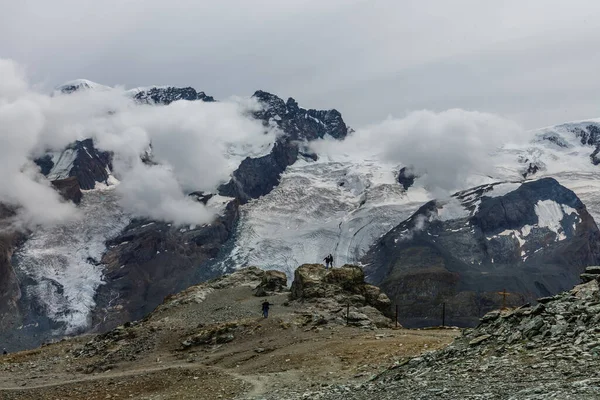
{"x":534,"y":61}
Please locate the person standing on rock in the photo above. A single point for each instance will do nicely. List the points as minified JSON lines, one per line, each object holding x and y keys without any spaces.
{"x":265,"y":308}
{"x":328,"y":261}
{"x":4,"y":352}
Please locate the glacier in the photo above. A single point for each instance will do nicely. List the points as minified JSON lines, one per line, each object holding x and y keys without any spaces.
{"x":343,"y":206}
{"x":63,"y":262}
{"x":322,"y":207}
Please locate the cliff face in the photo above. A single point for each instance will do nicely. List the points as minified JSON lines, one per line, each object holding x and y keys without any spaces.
{"x":151,"y":260}
{"x":10,"y":293}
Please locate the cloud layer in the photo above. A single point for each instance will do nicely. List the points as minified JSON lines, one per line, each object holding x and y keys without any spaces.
{"x":197,"y":144}
{"x":446,"y":149}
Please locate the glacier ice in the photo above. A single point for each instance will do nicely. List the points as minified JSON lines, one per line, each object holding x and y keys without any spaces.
{"x":62,"y":262}
{"x":338,"y":207}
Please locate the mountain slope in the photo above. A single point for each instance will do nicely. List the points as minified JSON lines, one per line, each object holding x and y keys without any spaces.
{"x":109,"y":268}
{"x":532,"y":239}
{"x":294,"y":205}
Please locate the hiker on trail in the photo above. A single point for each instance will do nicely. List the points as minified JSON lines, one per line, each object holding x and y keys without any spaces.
{"x":265,"y":308}
{"x":328,"y":261}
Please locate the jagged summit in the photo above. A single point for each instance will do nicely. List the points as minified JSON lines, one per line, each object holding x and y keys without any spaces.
{"x":298,"y":122}
{"x":167,"y":94}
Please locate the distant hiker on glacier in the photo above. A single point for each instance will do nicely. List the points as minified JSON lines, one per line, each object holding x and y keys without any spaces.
{"x":265,"y":308}
{"x":328,"y":261}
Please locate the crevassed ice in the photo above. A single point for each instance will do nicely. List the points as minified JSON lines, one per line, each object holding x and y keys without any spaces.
{"x":62,"y":261}
{"x":320,"y":208}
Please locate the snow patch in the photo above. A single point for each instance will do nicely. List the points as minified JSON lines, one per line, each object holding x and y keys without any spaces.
{"x":502,"y":189}
{"x":63,"y":163}
{"x":452,"y":209}
{"x":550,"y":214}
{"x":218,"y":203}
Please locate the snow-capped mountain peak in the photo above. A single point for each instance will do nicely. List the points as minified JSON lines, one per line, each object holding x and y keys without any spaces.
{"x":80,"y":84}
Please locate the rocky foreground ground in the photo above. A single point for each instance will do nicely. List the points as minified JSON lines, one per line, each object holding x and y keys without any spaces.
{"x":327,"y":338}
{"x":210,"y":342}
{"x":547,"y":351}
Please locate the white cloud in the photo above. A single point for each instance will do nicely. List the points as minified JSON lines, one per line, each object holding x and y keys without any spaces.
{"x":153,"y":191}
{"x":446,"y":149}
{"x":21,"y":125}
{"x":198,"y":144}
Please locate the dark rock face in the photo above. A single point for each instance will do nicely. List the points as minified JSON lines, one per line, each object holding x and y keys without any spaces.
{"x":89,"y":166}
{"x":45,"y":163}
{"x":201,"y":197}
{"x":167,"y":95}
{"x":299,"y":123}
{"x":151,"y":260}
{"x":406,"y":177}
{"x":256,"y":177}
{"x":69,"y":189}
{"x":498,"y":243}
{"x":590,"y":136}
{"x":10,"y":292}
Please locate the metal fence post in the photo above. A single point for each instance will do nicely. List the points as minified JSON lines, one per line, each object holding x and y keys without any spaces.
{"x":443,"y":314}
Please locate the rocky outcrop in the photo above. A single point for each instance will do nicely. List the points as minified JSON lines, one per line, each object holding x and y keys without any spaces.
{"x":341,"y":294}
{"x":69,"y":189}
{"x":272,"y":282}
{"x":532,"y":239}
{"x":406,"y":177}
{"x":151,"y":260}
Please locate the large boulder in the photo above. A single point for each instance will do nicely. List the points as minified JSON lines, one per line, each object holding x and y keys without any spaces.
{"x":345,"y":285}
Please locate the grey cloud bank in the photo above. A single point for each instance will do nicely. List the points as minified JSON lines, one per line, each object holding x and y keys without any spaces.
{"x":532,"y":61}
